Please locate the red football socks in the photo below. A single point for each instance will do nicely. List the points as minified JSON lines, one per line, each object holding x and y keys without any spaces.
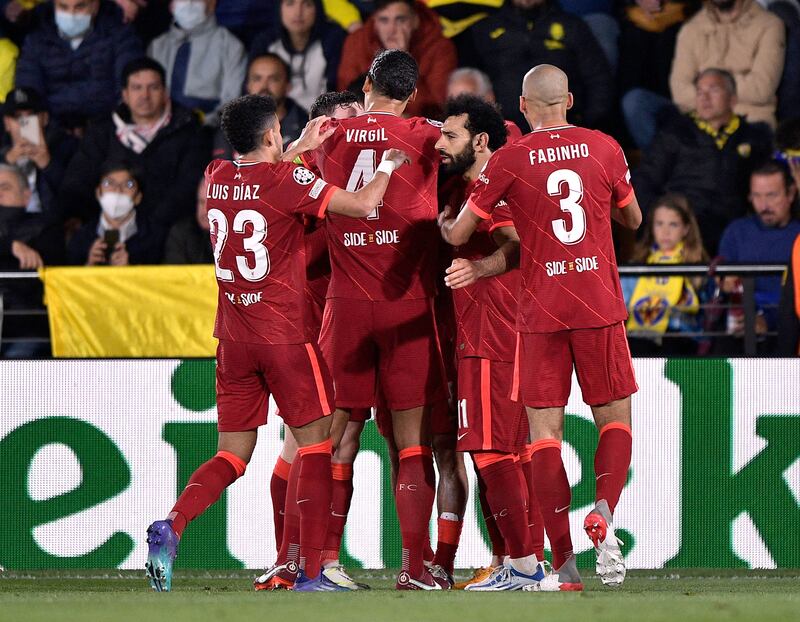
{"x":495,"y":537}
{"x":414,"y":497}
{"x":314,"y":503}
{"x":204,"y":488}
{"x":449,"y":534}
{"x":535,"y":521}
{"x":277,"y":491}
{"x":501,"y":475}
{"x":554,"y":495}
{"x":290,"y":542}
{"x":341,"y":496}
{"x":611,"y":462}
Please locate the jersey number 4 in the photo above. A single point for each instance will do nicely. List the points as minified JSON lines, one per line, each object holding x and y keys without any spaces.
{"x":570,"y":204}
{"x":253,"y":244}
{"x":363,"y":172}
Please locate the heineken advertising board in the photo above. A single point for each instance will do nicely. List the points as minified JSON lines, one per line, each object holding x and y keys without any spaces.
{"x":92,"y":451}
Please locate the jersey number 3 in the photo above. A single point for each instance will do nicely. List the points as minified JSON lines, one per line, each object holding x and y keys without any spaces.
{"x":570,"y":204}
{"x":253,"y":244}
{"x":363,"y":172}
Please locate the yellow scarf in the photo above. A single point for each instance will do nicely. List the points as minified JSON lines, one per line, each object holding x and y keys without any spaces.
{"x":655,"y":297}
{"x":720,"y":137}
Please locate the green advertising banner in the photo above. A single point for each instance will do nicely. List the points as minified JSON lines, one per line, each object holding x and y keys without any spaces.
{"x":91,"y":452}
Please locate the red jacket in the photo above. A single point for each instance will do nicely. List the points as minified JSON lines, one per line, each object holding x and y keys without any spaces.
{"x":435,"y":54}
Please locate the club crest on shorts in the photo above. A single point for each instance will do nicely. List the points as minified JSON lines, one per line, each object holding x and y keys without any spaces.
{"x":303,"y":176}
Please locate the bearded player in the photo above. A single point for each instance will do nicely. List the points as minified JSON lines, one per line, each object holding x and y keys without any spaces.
{"x":379,"y":328}
{"x":484,"y":281}
{"x":563,"y":184}
{"x":256,"y":206}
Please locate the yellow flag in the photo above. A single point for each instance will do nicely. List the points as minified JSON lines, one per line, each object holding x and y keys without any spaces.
{"x":132,"y":311}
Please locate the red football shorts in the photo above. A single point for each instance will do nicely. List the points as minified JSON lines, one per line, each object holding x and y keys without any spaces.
{"x":391,"y":343}
{"x":488,"y":420}
{"x":360,"y":415}
{"x":602,"y":361}
{"x":295,"y":374}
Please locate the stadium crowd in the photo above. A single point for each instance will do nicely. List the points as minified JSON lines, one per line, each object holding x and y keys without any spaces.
{"x":111,"y":114}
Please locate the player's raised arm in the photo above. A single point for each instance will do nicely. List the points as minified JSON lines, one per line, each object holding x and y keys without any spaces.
{"x":457,"y":231}
{"x":629,"y":215}
{"x":362,"y":202}
{"x":316,"y":132}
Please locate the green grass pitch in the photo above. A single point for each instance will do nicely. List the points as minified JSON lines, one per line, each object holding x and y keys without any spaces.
{"x":121,"y":596}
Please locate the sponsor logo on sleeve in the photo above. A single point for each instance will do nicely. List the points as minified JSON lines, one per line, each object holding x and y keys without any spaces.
{"x":316,"y":189}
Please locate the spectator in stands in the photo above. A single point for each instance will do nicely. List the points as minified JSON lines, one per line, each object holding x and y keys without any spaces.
{"x":707,"y":155}
{"x":524,"y":33}
{"x":27,"y":242}
{"x":244,"y":18}
{"x":599,"y":16}
{"x":789,"y":310}
{"x":40,"y":149}
{"x":471,"y":81}
{"x":118,"y":236}
{"x":789,"y":88}
{"x":162,"y":140}
{"x":410,"y":26}
{"x":269,"y":74}
{"x":75,"y":58}
{"x":744,"y":39}
{"x":204,"y":62}
{"x":648,"y":30}
{"x":308,"y":43}
{"x":658,"y":305}
{"x":188,"y":240}
{"x":8,"y":66}
{"x":787,"y":140}
{"x":764,"y":238}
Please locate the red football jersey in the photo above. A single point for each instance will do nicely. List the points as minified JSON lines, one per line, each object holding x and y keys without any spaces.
{"x":392,"y":253}
{"x":256,"y":214}
{"x":486,"y":310}
{"x":561,"y":184}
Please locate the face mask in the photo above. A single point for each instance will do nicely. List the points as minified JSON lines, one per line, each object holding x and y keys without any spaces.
{"x":116,"y":205}
{"x":73,"y":24}
{"x":189,"y":14}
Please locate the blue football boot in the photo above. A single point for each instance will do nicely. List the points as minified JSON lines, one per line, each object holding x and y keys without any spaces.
{"x":162,"y":549}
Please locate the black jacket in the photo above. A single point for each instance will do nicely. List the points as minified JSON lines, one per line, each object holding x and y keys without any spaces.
{"x":143,"y":247}
{"x":169,"y":168}
{"x":512,"y":41}
{"x":187,"y":243}
{"x":78,"y":84}
{"x":683,"y":158}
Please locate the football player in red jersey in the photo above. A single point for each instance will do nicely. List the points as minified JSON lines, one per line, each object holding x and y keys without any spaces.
{"x":563,"y":184}
{"x":336,"y":105}
{"x":484,"y":282}
{"x":378,"y":327}
{"x":256,"y":206}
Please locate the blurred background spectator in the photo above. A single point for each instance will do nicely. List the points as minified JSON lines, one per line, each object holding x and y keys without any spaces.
{"x":40,"y":149}
{"x":204,"y":62}
{"x":410,"y":26}
{"x":524,"y":33}
{"x":789,"y":311}
{"x":74,"y":58}
{"x":27,"y":242}
{"x":188,"y":240}
{"x":763,"y":238}
{"x":308,"y":42}
{"x":162,"y":140}
{"x":787,"y":140}
{"x":119,"y":236}
{"x":706,"y":155}
{"x":8,"y":66}
{"x":245,"y":18}
{"x":666,"y":305}
{"x":269,"y":74}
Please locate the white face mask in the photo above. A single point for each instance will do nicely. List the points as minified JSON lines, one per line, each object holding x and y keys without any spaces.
{"x":116,"y":205}
{"x":73,"y":24}
{"x":189,"y":13}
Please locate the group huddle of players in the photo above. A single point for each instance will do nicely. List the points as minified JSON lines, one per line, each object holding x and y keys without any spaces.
{"x":329,"y":259}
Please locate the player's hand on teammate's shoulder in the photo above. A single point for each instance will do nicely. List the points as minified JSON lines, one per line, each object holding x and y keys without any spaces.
{"x":396,"y":156}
